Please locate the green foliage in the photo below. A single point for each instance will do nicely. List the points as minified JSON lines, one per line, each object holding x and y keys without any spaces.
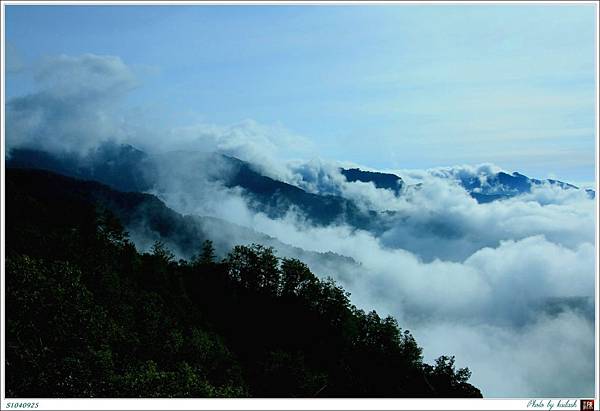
{"x":451,"y":382}
{"x":295,"y":277}
{"x":286,"y":374}
{"x":160,"y":251}
{"x":207,"y":255}
{"x":54,"y":326}
{"x":254,"y":268}
{"x":89,"y":316}
{"x":148,"y":380}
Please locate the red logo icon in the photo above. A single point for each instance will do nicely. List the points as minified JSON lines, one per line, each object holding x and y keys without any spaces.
{"x":586,"y":405}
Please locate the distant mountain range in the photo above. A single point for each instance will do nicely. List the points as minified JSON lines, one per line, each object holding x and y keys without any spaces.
{"x":125,"y":172}
{"x":502,"y":185}
{"x":128,"y":169}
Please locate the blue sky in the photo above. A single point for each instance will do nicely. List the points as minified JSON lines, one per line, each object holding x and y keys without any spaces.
{"x":401,"y":86}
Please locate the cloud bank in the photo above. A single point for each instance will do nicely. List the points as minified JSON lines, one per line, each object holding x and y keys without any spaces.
{"x":506,"y":286}
{"x":76,"y":106}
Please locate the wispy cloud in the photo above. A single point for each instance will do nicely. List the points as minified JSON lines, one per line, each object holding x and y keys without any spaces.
{"x":75,"y":107}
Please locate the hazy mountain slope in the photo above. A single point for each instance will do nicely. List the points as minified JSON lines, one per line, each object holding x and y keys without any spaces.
{"x":275,"y":197}
{"x":120,"y":166}
{"x":148,"y":219}
{"x":128,"y":169}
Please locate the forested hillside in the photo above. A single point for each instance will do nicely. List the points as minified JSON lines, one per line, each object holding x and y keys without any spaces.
{"x":88,"y":315}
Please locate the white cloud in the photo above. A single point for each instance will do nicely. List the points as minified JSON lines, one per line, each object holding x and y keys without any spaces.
{"x":75,"y":107}
{"x":86,"y":77}
{"x":551,"y":357}
{"x":263,"y":145}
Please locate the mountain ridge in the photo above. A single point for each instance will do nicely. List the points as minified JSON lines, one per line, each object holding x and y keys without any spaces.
{"x":129,"y":169}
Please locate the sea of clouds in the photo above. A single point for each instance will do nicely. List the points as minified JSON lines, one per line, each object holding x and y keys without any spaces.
{"x":507,"y":287}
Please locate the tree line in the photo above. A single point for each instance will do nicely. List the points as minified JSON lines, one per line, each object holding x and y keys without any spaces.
{"x":88,"y":315}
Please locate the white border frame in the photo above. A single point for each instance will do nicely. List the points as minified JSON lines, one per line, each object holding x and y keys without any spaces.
{"x":291,"y":404}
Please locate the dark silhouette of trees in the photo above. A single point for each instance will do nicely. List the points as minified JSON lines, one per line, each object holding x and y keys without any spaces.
{"x":207,"y":255}
{"x":90,"y":316}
